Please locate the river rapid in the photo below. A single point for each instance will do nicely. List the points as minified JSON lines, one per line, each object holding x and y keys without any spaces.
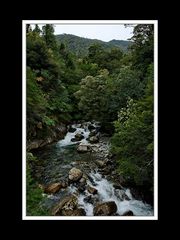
{"x":95,"y":163}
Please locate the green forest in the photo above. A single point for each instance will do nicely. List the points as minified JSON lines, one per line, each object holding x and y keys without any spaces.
{"x":113,"y":86}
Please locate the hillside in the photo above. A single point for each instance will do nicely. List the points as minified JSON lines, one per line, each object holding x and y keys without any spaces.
{"x":80,"y":45}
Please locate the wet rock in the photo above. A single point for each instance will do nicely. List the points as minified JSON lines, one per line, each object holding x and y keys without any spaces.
{"x":74,"y":140}
{"x":79,"y":125}
{"x":81,"y":188}
{"x":117,"y":186}
{"x":75,"y":174}
{"x":105,"y":171}
{"x":34,"y":144}
{"x":66,"y":204}
{"x":83,"y":180}
{"x":136,"y":194}
{"x":91,"y":127}
{"x":82,"y":148}
{"x":125,"y":197}
{"x":75,"y":212}
{"x":64,"y":184}
{"x":121,"y":194}
{"x":92,"y":181}
{"x":100,"y":163}
{"x":52,"y":188}
{"x":60,"y":130}
{"x":71,"y":129}
{"x":89,"y":199}
{"x":128,"y":213}
{"x":92,"y":199}
{"x":91,"y":190}
{"x":105,"y":209}
{"x":94,"y":139}
{"x":93,"y":133}
{"x":79,"y":136}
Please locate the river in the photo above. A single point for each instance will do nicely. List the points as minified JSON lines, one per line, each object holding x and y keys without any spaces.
{"x":56,"y":160}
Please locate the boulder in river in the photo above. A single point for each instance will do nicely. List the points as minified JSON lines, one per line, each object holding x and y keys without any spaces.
{"x":75,"y":174}
{"x":74,"y":140}
{"x":65,"y":204}
{"x":79,"y":136}
{"x":91,"y":189}
{"x":93,"y":133}
{"x":94,"y":139}
{"x":92,"y":199}
{"x":83,"y":180}
{"x":74,"y":212}
{"x":105,"y":209}
{"x":100,"y":163}
{"x":71,"y":129}
{"x":91,"y":127}
{"x":52,"y":188}
{"x":82,"y":148}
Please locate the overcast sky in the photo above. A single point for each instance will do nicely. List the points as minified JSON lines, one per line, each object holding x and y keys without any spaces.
{"x":101,"y":32}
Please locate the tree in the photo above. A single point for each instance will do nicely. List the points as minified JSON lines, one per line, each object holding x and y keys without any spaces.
{"x":37,"y":52}
{"x":142,"y":47}
{"x":92,"y":96}
{"x":48,"y":35}
{"x":133,"y":141}
{"x":126,"y":84}
{"x":110,"y":60}
{"x":28,"y":28}
{"x":37,"y":29}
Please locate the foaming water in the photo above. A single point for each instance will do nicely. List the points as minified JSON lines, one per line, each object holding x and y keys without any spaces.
{"x":82,"y":130}
{"x":122,"y":198}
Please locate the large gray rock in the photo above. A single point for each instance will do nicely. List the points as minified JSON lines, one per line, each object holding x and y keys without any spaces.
{"x":75,"y":174}
{"x":82,"y":148}
{"x":94,"y":139}
{"x":79,"y":136}
{"x":105,"y":209}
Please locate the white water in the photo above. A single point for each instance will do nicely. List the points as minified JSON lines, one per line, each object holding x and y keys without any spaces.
{"x":67,"y":140}
{"x":106,"y":192}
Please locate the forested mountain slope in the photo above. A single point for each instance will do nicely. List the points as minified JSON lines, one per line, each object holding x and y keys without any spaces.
{"x":80,"y":45}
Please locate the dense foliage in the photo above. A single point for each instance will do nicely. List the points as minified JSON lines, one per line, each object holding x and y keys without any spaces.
{"x":133,"y":139}
{"x":104,"y":84}
{"x":33,"y":192}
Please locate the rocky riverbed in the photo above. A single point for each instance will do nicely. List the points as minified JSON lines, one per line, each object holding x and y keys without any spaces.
{"x":79,"y":178}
